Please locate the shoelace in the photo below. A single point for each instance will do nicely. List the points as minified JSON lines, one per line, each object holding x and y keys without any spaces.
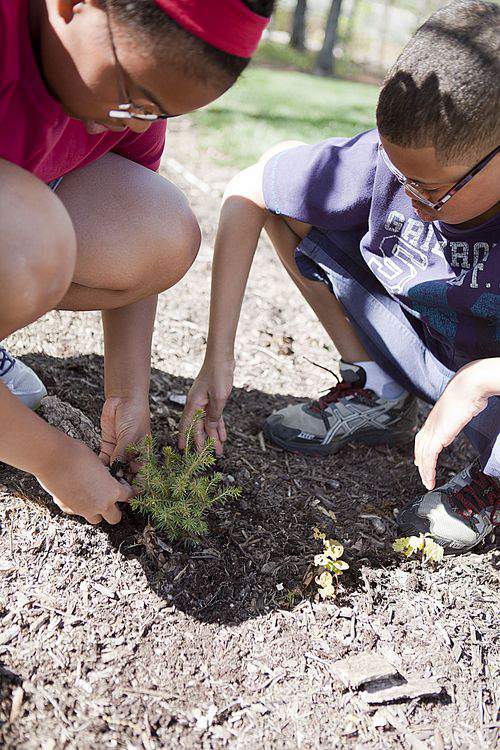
{"x":478,"y":495}
{"x":339,"y":390}
{"x":6,"y":361}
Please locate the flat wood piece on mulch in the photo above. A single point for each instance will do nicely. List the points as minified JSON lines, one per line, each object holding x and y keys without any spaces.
{"x":395,"y":690}
{"x":364,"y":667}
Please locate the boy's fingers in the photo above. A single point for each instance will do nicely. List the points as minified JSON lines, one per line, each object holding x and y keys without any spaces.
{"x":200,"y":435}
{"x":222,"y":430}
{"x":94,"y":520}
{"x":212,"y":431}
{"x":427,"y":466}
{"x":185,"y":417}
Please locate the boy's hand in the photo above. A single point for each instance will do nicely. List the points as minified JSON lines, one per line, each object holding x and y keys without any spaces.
{"x":464,"y":397}
{"x":124,"y":422}
{"x":81,"y":485}
{"x":210,"y":392}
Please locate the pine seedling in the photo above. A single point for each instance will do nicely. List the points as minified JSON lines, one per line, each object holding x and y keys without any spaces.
{"x":330,"y":561}
{"x":176,"y":489}
{"x":424,"y":543}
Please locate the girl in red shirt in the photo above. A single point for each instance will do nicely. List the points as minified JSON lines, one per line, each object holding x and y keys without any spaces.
{"x":86,"y":222}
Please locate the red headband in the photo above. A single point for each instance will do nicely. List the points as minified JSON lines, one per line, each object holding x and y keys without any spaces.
{"x":228,"y":25}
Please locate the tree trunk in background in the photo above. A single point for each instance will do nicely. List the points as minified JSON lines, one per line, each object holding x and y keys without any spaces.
{"x":324,"y":61}
{"x":298,"y":35}
{"x":350,"y":25}
{"x":383,"y":33}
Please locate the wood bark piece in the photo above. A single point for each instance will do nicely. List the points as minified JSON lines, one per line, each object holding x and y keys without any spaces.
{"x":69,"y":420}
{"x":365,"y":667}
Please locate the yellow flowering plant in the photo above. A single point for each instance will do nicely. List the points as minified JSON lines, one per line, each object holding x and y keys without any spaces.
{"x":424,"y":543}
{"x":331,"y":563}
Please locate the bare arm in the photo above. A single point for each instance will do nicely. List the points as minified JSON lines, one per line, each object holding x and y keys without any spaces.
{"x":242,"y":218}
{"x":69,"y":470}
{"x":128,"y":333}
{"x":465,"y":396}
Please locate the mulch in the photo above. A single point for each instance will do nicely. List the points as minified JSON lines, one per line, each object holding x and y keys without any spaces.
{"x":112,"y":637}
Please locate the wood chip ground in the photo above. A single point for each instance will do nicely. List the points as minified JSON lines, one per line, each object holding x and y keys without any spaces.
{"x":113,"y":638}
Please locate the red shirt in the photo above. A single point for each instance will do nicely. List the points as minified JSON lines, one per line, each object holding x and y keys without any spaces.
{"x":35,"y":133}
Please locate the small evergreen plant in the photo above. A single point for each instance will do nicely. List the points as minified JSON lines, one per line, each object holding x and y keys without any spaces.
{"x":177,"y":489}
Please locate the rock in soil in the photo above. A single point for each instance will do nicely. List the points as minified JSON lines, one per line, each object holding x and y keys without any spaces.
{"x":69,"y":420}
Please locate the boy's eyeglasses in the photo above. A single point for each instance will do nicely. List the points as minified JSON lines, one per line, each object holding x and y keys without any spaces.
{"x":130,"y":110}
{"x":412,"y":187}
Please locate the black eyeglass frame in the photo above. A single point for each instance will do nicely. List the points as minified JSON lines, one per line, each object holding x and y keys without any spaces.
{"x":410,"y":185}
{"x":129,"y":110}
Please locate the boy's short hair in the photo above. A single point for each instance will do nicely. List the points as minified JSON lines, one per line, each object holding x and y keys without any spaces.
{"x":444,"y":89}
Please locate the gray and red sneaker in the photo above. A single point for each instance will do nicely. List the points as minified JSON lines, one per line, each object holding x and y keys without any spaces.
{"x":348,"y":413}
{"x":459,"y":514}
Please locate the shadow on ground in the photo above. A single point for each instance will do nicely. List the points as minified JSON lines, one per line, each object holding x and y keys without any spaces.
{"x":260,"y":547}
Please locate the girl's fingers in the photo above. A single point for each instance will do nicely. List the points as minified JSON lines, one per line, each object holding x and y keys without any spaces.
{"x":113,"y":515}
{"x":104,"y":458}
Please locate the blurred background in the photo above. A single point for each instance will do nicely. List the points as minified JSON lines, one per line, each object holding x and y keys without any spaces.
{"x":316,"y":74}
{"x":353,"y":38}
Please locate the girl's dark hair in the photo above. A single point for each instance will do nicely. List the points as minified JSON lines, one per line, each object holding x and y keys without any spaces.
{"x":176,"y":45}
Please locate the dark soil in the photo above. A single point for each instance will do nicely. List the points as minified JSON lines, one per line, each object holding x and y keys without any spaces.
{"x":111,"y":637}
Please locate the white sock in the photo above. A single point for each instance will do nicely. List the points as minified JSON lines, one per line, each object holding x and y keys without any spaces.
{"x":378,"y":381}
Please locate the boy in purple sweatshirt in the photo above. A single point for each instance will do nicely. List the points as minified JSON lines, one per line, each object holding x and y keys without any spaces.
{"x":392,"y":238}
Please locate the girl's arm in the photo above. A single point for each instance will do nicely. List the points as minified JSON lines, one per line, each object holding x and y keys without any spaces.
{"x":66,"y":468}
{"x":465,"y":396}
{"x":242,"y":218}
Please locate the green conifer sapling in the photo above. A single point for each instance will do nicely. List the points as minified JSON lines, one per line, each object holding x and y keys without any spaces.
{"x":177,"y":489}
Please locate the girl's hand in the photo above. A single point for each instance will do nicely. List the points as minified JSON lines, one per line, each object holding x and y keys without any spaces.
{"x":124,"y":422}
{"x":464,"y":397}
{"x":210,"y":392}
{"x":80,"y":485}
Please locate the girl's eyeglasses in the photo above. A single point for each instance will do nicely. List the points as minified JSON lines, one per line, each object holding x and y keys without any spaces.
{"x":412,"y":187}
{"x":129,"y":110}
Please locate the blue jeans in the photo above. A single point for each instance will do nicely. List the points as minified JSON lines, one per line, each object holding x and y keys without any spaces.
{"x":399,"y":345}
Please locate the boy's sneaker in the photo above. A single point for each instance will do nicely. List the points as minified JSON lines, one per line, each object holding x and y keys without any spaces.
{"x":348,"y":413}
{"x":459,"y":514}
{"x":21,"y":380}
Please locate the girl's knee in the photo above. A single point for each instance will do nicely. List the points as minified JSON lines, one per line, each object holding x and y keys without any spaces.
{"x":176,"y":248}
{"x":37,"y":245}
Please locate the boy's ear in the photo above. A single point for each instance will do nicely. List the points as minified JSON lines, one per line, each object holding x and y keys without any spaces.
{"x":65,"y":9}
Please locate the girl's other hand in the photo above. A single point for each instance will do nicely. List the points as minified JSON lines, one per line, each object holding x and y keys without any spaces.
{"x":124,"y":422}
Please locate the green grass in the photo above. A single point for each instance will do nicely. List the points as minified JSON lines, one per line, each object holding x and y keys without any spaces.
{"x":267,"y":106}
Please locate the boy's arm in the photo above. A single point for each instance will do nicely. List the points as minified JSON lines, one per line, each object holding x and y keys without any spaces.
{"x":465,"y":396}
{"x":242,"y":218}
